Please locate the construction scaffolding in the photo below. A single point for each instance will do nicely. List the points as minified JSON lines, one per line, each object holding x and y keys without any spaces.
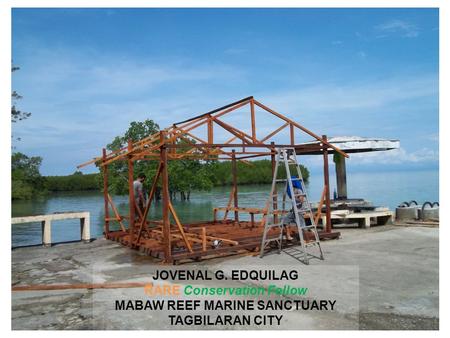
{"x":198,"y":139}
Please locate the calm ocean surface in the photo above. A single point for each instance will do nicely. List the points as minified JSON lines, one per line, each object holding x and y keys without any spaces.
{"x":383,"y":189}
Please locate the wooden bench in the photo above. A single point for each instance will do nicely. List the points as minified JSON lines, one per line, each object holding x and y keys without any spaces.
{"x":46,"y":221}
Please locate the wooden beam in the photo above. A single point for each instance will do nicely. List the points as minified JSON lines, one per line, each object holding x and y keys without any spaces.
{"x":210,"y":131}
{"x":274,"y":199}
{"x":131,"y":199}
{"x":319,"y":207}
{"x":165,"y":202}
{"x":230,"y":200}
{"x":149,"y":202}
{"x":105,"y":193}
{"x":203,"y":239}
{"x":292,"y":133}
{"x":299,"y":127}
{"x":116,"y":213}
{"x":180,"y":227}
{"x":327,"y":186}
{"x":234,"y":176}
{"x":252,"y":113}
{"x":40,"y":287}
{"x":276,"y":131}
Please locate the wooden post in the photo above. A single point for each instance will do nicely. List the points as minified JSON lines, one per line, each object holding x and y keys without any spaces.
{"x":252,"y":111}
{"x":203,"y":239}
{"x":234,"y":174}
{"x":131,"y":200}
{"x":327,"y":184}
{"x":274,"y":199}
{"x":149,"y":203}
{"x":229,"y":204}
{"x":292,"y":132}
{"x":165,"y":200}
{"x":210,"y":131}
{"x":105,"y":195}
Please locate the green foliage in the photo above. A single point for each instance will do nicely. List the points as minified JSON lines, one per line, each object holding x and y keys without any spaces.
{"x":75,"y":182}
{"x":185,"y":175}
{"x":118,"y":171}
{"x":16,"y":114}
{"x":254,"y":172}
{"x":26,"y":180}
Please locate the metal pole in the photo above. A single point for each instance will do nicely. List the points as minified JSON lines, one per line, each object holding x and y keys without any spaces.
{"x":234,"y":174}
{"x":105,"y":194}
{"x":131,"y":201}
{"x":327,"y":184}
{"x":165,"y":200}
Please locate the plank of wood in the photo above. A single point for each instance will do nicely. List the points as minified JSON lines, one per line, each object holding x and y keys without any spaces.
{"x":39,"y":287}
{"x":116,"y":213}
{"x":180,"y":227}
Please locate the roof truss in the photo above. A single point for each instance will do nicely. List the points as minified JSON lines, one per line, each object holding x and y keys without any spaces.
{"x":196,"y":138}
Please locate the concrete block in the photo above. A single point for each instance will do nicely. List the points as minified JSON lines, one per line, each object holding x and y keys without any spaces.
{"x":85,"y":228}
{"x":46,"y":232}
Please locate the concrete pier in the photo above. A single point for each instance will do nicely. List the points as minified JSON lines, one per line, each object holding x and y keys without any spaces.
{"x":395,"y":277}
{"x":341,"y":176}
{"x":46,"y":221}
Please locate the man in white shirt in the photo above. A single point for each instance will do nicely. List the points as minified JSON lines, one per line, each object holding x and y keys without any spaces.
{"x":139,"y":196}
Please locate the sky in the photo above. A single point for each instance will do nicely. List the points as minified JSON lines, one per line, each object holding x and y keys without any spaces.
{"x":85,"y":74}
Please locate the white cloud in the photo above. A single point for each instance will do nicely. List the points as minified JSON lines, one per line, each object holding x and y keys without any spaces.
{"x":391,"y":157}
{"x":84,"y":77}
{"x":335,"y":97}
{"x":397,"y":28}
{"x":396,"y":156}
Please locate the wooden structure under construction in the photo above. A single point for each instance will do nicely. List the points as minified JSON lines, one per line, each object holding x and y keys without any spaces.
{"x":202,"y":138}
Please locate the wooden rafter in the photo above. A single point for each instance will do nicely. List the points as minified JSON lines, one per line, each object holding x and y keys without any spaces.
{"x":150,"y":146}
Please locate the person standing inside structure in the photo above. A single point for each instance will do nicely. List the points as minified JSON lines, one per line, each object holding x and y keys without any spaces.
{"x":297,"y":196}
{"x":139,"y":195}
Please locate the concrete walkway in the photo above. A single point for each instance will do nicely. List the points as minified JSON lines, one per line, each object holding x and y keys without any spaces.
{"x":384,"y":277}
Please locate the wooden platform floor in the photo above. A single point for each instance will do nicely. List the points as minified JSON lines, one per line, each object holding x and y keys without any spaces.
{"x":247,"y":238}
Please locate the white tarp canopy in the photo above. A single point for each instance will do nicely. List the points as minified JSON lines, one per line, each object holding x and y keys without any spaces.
{"x":357,"y":144}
